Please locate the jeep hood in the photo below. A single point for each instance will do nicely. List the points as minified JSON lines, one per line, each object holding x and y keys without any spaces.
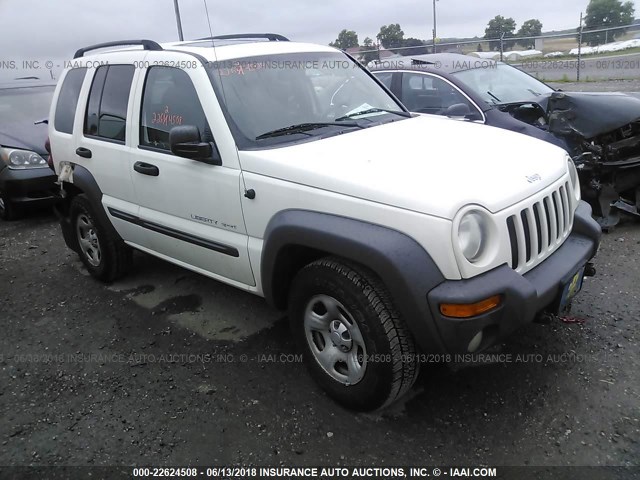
{"x":428,"y":164}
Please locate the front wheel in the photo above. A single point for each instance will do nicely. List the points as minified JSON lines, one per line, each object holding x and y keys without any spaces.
{"x":8,"y":210}
{"x":354,"y":342}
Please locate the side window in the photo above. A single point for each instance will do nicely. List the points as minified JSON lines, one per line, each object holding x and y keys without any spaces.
{"x":108,"y":100}
{"x":385,"y":78}
{"x":169,"y":100}
{"x":68,"y":100}
{"x":428,"y":94}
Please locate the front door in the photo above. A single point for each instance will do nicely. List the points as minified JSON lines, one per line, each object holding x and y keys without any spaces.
{"x":191,"y":209}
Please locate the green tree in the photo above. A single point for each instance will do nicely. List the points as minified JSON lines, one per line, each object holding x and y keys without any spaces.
{"x":346,"y":39}
{"x":530,"y":28}
{"x":413,"y":46}
{"x":603,"y":14}
{"x":391,"y":36}
{"x":371,"y":51}
{"x":496,"y":28}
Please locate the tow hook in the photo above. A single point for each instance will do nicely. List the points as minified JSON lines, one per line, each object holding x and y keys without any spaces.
{"x":589,"y":270}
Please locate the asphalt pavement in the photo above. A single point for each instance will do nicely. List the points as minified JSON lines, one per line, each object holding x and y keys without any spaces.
{"x":169,"y":368}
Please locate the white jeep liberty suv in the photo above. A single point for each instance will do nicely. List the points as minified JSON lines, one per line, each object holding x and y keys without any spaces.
{"x":289,"y":171}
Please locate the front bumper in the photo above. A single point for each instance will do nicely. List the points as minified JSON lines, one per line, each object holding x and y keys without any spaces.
{"x":523,"y":296}
{"x":29,"y":186}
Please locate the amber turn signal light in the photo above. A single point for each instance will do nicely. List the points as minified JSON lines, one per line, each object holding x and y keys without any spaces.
{"x":471,"y":309}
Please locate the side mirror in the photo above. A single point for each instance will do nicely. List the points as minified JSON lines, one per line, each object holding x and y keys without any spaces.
{"x":474,"y":117}
{"x":458,"y":110}
{"x":185,"y":142}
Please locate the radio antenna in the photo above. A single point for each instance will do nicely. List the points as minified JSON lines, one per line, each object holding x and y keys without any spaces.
{"x":206,"y":9}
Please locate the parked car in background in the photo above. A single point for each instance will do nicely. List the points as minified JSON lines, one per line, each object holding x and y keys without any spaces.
{"x":601,"y":131}
{"x":25,"y":176}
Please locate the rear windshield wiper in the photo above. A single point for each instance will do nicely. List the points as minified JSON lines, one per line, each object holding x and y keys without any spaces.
{"x":373,"y":110}
{"x":305,"y":127}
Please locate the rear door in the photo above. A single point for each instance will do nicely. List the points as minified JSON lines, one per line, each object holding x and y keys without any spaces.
{"x":103,"y":143}
{"x":191,"y":209}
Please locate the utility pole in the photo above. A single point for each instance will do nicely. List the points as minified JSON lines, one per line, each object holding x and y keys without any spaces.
{"x":178,"y":21}
{"x":434,"y":26}
{"x":579,"y":49}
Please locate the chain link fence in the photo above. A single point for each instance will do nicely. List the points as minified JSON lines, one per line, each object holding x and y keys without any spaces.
{"x":554,"y":57}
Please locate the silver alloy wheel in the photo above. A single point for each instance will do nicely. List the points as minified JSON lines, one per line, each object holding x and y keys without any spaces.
{"x":335,"y":339}
{"x":88,"y":239}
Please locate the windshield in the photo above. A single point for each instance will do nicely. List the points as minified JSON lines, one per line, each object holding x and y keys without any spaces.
{"x":290,"y":97}
{"x":25,"y":104}
{"x":502,"y":84}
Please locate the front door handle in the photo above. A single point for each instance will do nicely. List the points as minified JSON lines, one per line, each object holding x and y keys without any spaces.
{"x":83,"y":152}
{"x":146,"y":169}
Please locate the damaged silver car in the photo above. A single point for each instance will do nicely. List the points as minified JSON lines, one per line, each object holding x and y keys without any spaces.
{"x":601,"y":131}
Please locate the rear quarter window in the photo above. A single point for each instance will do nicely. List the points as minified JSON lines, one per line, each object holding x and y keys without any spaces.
{"x":68,"y":100}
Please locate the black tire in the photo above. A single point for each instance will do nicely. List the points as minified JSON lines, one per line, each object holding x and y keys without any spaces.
{"x":385,"y":343}
{"x":8,"y":209}
{"x":111,"y":258}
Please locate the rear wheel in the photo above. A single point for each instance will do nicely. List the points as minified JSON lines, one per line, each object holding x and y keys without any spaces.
{"x":106,"y":256}
{"x":354,"y":342}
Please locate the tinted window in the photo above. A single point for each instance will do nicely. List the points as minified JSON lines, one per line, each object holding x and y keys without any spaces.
{"x":169,"y":100}
{"x":68,"y":100}
{"x":429,"y":94}
{"x":93,"y":106}
{"x":385,"y":78}
{"x":108,"y":101}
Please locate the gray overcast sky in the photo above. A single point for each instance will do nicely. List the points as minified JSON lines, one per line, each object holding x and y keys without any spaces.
{"x":55,"y":29}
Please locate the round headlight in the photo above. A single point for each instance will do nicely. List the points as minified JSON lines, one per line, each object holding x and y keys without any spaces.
{"x":471,"y":233}
{"x":575,"y":180}
{"x":22,"y":159}
{"x":18,"y":158}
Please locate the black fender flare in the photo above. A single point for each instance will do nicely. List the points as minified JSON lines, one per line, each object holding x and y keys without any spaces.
{"x":85,"y":181}
{"x":406,"y":269}
{"x":584,"y":224}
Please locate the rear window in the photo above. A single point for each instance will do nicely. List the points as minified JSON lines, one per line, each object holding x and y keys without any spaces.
{"x":68,"y":100}
{"x":106,"y":116}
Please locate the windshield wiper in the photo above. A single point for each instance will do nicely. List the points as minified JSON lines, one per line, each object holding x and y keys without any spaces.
{"x":305,"y":127}
{"x":373,"y":110}
{"x":494,"y":97}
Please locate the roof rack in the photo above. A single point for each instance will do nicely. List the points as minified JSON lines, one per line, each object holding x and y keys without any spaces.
{"x":146,"y":44}
{"x":272,"y":37}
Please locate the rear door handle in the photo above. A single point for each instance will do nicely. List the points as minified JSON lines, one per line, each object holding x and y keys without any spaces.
{"x":146,"y":169}
{"x":83,"y":152}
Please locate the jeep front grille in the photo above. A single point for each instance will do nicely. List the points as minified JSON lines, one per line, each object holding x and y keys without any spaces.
{"x":538,"y":230}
